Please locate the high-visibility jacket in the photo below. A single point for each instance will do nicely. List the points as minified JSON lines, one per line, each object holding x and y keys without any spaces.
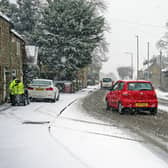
{"x":16,"y":88}
{"x":11,"y":87}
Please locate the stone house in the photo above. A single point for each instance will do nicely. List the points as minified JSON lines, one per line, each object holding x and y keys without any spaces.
{"x":152,"y":74}
{"x":164,"y":79}
{"x":157,"y":72}
{"x":12,"y":53}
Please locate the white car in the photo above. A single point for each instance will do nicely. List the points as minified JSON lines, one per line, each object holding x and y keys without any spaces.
{"x":43,"y":89}
{"x":106,"y":83}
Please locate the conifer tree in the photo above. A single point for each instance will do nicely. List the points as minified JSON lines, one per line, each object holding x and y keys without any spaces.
{"x":71,"y":30}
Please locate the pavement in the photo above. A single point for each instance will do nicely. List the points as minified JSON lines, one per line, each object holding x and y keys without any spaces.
{"x":5,"y":106}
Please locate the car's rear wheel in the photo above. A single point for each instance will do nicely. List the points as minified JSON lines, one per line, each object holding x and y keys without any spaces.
{"x":153,"y":111}
{"x":32,"y":99}
{"x":120,"y":108}
{"x":54,"y":100}
{"x":133,"y":111}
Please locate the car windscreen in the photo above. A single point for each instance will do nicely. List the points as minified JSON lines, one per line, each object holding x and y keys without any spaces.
{"x":40,"y":82}
{"x":107,"y":79}
{"x":139,"y":86}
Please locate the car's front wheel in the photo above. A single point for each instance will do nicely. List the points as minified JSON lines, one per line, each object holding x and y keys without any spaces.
{"x":107,"y":106}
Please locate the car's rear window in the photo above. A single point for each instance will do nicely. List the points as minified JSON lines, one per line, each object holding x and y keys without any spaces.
{"x":139,"y":86}
{"x":107,"y":79}
{"x":40,"y":82}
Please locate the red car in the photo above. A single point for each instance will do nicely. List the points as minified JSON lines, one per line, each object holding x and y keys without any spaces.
{"x":132,"y":96}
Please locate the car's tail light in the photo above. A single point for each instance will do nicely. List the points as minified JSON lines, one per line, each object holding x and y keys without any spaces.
{"x":30,"y":88}
{"x":49,"y":89}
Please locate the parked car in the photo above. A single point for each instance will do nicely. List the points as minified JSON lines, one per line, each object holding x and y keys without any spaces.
{"x":133,"y":96}
{"x":43,"y":89}
{"x":65,"y":86}
{"x":106,"y":83}
{"x":60,"y":85}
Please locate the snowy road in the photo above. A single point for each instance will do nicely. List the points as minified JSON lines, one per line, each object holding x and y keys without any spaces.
{"x":38,"y":136}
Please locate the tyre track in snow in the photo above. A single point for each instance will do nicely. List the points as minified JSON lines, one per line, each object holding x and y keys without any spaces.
{"x":152,"y":128}
{"x":56,"y":140}
{"x":66,"y":148}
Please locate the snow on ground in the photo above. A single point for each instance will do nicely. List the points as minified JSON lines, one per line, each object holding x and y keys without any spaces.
{"x":162,"y":95}
{"x":72,"y":139}
{"x":100,"y":145}
{"x":163,"y":108}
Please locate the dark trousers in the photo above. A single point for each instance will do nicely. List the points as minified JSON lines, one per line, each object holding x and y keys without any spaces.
{"x":12,"y":99}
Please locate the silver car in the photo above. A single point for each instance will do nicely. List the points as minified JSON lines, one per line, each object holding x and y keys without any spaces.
{"x":43,"y":89}
{"x":106,"y":83}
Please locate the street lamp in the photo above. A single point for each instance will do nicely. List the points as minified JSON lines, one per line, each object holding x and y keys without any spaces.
{"x":132,"y":71}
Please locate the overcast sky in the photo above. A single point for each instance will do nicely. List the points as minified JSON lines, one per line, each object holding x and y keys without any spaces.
{"x":128,"y":18}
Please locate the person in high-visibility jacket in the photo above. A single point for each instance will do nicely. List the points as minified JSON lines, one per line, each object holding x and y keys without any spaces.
{"x":16,"y":87}
{"x":11,"y":90}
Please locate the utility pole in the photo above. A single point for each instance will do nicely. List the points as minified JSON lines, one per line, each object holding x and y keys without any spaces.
{"x":137,"y":37}
{"x":148,"y":59}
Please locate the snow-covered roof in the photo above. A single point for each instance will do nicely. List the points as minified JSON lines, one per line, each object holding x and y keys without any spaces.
{"x":5,"y":17}
{"x":17,"y":34}
{"x":12,"y":30}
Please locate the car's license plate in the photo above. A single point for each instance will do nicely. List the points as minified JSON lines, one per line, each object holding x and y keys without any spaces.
{"x":39,"y":89}
{"x":141,"y":104}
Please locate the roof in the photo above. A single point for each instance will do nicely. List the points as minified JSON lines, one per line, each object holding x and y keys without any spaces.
{"x":5,"y":17}
{"x":17,"y":34}
{"x":10,"y":22}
